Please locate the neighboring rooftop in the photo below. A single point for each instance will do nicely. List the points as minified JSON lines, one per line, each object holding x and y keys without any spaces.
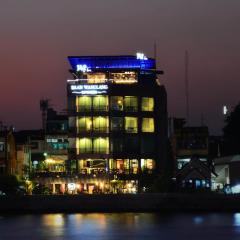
{"x":226,"y":160}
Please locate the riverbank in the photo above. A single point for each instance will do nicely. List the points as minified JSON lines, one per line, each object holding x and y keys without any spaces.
{"x":119,"y":203}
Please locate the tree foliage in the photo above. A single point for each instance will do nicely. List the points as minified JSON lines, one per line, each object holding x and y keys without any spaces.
{"x":9,"y":184}
{"x":232,"y":131}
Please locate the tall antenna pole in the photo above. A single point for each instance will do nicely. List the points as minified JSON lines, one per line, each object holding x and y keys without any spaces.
{"x":187,"y":86}
{"x":155,"y":52}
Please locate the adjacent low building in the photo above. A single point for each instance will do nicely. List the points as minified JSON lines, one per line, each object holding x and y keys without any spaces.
{"x":227,"y":169}
{"x":8,"y":160}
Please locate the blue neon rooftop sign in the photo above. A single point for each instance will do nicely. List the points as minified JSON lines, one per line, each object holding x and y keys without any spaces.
{"x":89,"y":63}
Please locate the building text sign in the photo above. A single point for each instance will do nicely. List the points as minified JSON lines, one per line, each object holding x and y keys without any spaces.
{"x":85,"y":89}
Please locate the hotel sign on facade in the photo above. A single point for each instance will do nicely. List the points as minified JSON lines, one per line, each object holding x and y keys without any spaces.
{"x":84,"y":89}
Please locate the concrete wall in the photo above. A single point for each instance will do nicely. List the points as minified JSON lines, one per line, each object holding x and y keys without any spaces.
{"x":119,"y":203}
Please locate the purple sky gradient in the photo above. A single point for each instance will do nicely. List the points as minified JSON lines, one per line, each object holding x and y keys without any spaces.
{"x":37,"y":36}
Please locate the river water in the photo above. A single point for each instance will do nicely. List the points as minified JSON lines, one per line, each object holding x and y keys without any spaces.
{"x":121,"y":226}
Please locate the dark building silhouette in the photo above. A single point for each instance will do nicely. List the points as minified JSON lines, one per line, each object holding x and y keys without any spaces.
{"x":8,"y":160}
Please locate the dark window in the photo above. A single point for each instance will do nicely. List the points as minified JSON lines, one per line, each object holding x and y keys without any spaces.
{"x":131,"y":144}
{"x":116,"y":103}
{"x":116,"y":145}
{"x":116,"y":124}
{"x":2,"y":147}
{"x":148,"y":144}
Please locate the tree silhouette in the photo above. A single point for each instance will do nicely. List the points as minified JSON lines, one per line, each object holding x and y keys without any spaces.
{"x":232,"y":131}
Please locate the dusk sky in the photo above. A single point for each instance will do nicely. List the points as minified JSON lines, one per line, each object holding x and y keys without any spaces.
{"x":37,"y":37}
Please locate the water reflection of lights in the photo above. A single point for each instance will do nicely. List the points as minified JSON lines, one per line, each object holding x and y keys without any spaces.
{"x":198,"y":220}
{"x":53,"y":220}
{"x":236,"y":219}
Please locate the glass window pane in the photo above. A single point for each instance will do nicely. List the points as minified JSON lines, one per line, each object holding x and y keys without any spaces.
{"x":130,"y":104}
{"x":134,"y":166}
{"x":131,"y":144}
{"x":84,"y":103}
{"x":84,"y":124}
{"x":148,"y":144}
{"x":131,"y":124}
{"x":147,"y":125}
{"x":100,"y":145}
{"x":100,"y":124}
{"x":100,"y":103}
{"x":84,"y":145}
{"x":116,"y":103}
{"x":96,"y":77}
{"x":147,"y":164}
{"x":117,"y":145}
{"x":147,"y":104}
{"x":116,"y":124}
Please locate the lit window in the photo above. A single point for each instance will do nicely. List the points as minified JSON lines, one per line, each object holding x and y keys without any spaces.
{"x":147,"y":104}
{"x":147,"y":125}
{"x":147,"y":164}
{"x":101,"y":145}
{"x":120,"y":165}
{"x":124,"y":77}
{"x":117,"y":103}
{"x":131,"y":124}
{"x":130,"y":104}
{"x":134,"y":166}
{"x":96,"y":77}
{"x":84,"y":145}
{"x":84,"y":124}
{"x":100,"y":124}
{"x":83,"y":103}
{"x":100,"y":103}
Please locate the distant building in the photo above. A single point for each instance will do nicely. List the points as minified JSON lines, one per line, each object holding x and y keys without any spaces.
{"x":188,"y":142}
{"x":228,"y":171}
{"x":56,"y":140}
{"x":190,"y":149}
{"x":8,"y":161}
{"x":195,"y":175}
{"x":34,"y":141}
{"x":23,"y":154}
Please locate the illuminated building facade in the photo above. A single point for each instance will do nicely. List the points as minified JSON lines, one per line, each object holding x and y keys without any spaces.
{"x":56,"y":141}
{"x":117,"y":111}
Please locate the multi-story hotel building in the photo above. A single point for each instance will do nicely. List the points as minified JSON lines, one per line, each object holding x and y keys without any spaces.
{"x":117,"y":111}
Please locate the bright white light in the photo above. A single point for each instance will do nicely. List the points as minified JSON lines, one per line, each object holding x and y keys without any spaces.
{"x":53,"y":140}
{"x":83,"y":68}
{"x":71,"y":186}
{"x":225,"y":110}
{"x":89,"y":89}
{"x":141,"y":56}
{"x":236,"y":189}
{"x":89,"y":92}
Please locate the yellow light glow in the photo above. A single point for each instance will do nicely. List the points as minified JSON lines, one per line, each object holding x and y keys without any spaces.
{"x":49,"y":160}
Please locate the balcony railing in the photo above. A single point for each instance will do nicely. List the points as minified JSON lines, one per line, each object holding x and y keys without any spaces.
{"x":93,"y":130}
{"x":93,"y":151}
{"x":92,"y":108}
{"x":130,"y":108}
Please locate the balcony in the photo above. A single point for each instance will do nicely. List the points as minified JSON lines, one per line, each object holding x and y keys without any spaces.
{"x":131,"y":129}
{"x":93,"y":130}
{"x":130,"y":108}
